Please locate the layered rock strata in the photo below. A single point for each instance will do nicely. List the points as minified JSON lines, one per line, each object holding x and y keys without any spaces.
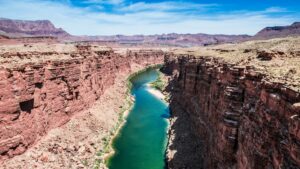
{"x":237,"y":118}
{"x":37,"y":97}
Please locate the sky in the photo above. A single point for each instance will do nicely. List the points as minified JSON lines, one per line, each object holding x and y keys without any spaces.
{"x":131,"y":17}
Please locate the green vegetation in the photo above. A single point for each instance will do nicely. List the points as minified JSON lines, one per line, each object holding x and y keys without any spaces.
{"x":159,"y":84}
{"x":129,"y":84}
{"x":85,"y":162}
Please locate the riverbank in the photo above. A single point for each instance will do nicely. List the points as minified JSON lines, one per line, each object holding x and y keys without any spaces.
{"x":157,"y":93}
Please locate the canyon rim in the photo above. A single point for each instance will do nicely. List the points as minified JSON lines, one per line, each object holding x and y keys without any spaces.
{"x":149,"y":84}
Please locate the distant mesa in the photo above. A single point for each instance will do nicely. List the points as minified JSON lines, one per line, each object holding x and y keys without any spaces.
{"x":16,"y":29}
{"x":41,"y":29}
{"x":279,"y":31}
{"x":24,"y":28}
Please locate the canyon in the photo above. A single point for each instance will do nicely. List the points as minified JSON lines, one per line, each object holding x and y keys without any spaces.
{"x":61,"y":91}
{"x":233,"y":105}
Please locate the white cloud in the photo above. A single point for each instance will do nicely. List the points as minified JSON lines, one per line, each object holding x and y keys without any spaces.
{"x":276,"y":10}
{"x":83,"y":21}
{"x":113,"y":2}
{"x":165,"y":6}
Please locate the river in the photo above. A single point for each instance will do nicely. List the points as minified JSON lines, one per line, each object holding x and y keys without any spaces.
{"x":141,"y":142}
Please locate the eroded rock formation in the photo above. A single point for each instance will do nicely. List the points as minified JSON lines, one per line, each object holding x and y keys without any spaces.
{"x":237,"y":118}
{"x":38,"y":96}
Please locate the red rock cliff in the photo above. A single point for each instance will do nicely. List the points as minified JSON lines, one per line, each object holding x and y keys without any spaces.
{"x":37,"y":97}
{"x":239,"y":119}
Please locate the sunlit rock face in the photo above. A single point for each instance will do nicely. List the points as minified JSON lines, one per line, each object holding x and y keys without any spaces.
{"x":240,"y":120}
{"x":36,"y":97}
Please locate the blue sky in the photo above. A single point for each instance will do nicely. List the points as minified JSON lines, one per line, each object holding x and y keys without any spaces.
{"x":109,"y":17}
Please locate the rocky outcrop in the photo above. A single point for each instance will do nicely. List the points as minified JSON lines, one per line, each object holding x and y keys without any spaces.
{"x":37,"y":97}
{"x":237,"y":118}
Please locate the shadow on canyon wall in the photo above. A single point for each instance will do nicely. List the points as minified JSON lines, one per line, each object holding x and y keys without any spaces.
{"x":185,"y":148}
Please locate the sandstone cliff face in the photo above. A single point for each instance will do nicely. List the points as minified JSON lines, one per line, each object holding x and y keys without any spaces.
{"x":37,"y":97}
{"x":240,"y":120}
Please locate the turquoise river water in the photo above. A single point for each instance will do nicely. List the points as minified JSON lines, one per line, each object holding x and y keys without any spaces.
{"x":142,"y":141}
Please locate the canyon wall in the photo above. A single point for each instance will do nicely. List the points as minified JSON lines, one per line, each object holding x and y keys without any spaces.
{"x":238,"y":119}
{"x":37,"y":97}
